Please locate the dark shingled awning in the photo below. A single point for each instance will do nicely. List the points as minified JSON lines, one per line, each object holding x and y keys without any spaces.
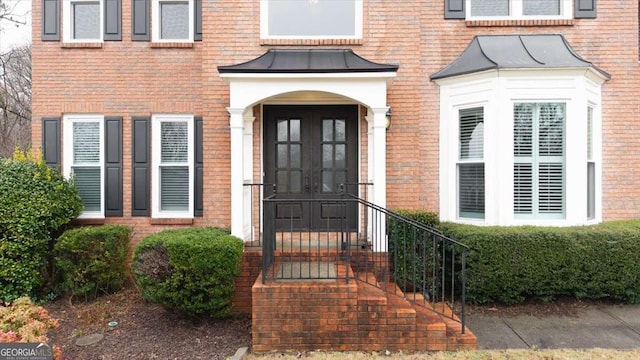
{"x":490,"y":52}
{"x":308,"y":61}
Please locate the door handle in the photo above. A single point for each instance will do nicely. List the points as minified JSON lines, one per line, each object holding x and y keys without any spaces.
{"x":306,"y":184}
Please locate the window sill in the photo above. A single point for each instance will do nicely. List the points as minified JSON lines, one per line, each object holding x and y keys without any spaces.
{"x":497,"y":23}
{"x":171,"y":45}
{"x":88,"y":221}
{"x":310,"y":42}
{"x":171,"y":221}
{"x":82,"y":45}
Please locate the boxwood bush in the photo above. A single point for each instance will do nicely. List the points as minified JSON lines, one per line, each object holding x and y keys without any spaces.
{"x":36,"y":202}
{"x":189,"y":270}
{"x":412,"y":251}
{"x":92,"y":260}
{"x":510,"y":264}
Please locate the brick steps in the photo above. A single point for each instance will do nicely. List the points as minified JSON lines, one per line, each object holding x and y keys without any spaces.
{"x":354,"y":315}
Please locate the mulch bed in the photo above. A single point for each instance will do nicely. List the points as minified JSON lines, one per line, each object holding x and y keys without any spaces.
{"x":143,"y":330}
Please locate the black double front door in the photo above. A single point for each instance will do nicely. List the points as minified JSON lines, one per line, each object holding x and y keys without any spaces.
{"x":310,"y":151}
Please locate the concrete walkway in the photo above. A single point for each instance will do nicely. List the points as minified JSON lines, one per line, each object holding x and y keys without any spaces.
{"x":610,"y":327}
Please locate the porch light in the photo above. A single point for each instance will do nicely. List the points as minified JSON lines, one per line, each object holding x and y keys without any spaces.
{"x":388,"y":116}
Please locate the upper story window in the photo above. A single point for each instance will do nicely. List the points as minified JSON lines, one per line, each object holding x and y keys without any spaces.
{"x":518,"y":9}
{"x":172,"y":20}
{"x":83,"y":20}
{"x":311,"y":19}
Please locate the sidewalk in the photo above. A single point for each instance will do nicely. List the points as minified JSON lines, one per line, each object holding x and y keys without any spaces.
{"x":610,"y":327}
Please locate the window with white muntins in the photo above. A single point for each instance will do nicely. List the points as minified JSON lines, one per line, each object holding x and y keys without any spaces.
{"x":173,"y":166}
{"x":172,"y":20}
{"x":310,"y":19}
{"x":83,"y":20}
{"x":83,"y":160}
{"x":538,"y":169}
{"x":518,"y":9}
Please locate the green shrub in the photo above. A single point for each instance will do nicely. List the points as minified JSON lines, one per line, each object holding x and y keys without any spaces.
{"x":413,"y":251}
{"x":189,"y":270}
{"x":510,"y":264}
{"x":36,"y":202}
{"x":92,"y":260}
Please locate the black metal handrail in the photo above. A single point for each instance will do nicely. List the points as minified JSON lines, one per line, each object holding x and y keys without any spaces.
{"x":405,"y":257}
{"x":415,"y":261}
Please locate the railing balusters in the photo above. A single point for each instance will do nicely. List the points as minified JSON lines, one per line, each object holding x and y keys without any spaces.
{"x":419,"y":259}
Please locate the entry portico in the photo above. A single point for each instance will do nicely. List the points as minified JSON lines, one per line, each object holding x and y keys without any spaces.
{"x":340,"y":75}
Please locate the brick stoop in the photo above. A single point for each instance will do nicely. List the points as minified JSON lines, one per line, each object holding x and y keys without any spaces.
{"x":306,"y":315}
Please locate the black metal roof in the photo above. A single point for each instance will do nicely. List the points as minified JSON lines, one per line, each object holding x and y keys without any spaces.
{"x":308,"y":61}
{"x":488,"y":52}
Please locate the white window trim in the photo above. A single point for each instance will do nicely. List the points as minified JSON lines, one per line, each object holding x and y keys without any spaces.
{"x":155,"y":22}
{"x":264,"y":26}
{"x":497,"y":91}
{"x":156,"y":120}
{"x":67,"y":160}
{"x":67,"y":30}
{"x":460,"y":161}
{"x":516,"y":9}
{"x":535,"y":162}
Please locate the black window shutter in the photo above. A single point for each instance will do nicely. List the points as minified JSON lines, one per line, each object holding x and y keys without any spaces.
{"x":585,"y":9}
{"x":112,"y":20}
{"x":141,"y":172}
{"x":50,"y":20}
{"x":113,"y":166}
{"x":51,"y":141}
{"x":197,"y":34}
{"x":140,"y":20}
{"x":454,"y":9}
{"x":198,"y":208}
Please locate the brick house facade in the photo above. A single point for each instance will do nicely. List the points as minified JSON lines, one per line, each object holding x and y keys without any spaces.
{"x":125,"y":88}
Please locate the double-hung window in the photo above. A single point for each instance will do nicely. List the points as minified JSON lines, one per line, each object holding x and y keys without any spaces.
{"x":173,"y":165}
{"x":83,"y":150}
{"x":591,"y":168}
{"x":173,"y":20}
{"x":519,"y":9}
{"x":471,"y":192}
{"x":83,"y":20}
{"x":539,"y":152}
{"x":311,"y":19}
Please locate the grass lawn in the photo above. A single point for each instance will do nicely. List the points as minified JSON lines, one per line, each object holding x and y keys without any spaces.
{"x":591,"y":354}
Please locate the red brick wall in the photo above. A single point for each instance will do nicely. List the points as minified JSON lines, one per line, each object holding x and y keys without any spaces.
{"x":126,"y":78}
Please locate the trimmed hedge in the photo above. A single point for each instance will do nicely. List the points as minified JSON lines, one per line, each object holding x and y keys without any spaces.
{"x":36,"y":203}
{"x":92,"y":260}
{"x":412,"y":251}
{"x":511,"y":264}
{"x":189,"y":270}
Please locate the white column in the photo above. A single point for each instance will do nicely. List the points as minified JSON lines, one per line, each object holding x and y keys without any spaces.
{"x":379,"y":163}
{"x":236,"y":125}
{"x":248,"y":173}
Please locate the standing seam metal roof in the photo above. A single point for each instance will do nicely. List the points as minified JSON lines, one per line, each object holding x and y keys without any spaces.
{"x":308,"y":61}
{"x":488,"y":52}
